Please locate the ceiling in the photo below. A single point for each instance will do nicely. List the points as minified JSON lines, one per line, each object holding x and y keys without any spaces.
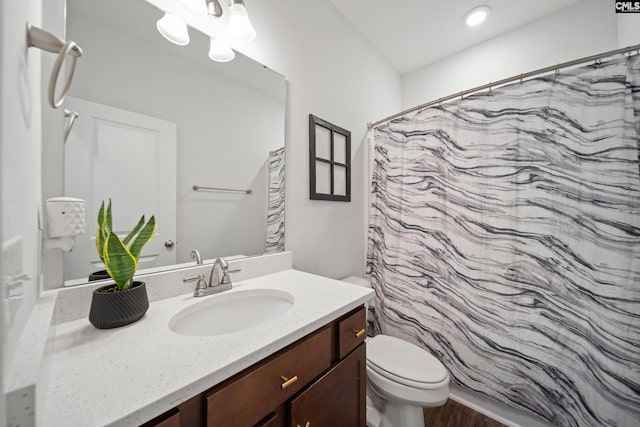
{"x":411,"y":34}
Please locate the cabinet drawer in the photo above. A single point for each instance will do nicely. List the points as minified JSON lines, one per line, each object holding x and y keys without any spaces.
{"x":247,"y":399}
{"x":352,"y":330}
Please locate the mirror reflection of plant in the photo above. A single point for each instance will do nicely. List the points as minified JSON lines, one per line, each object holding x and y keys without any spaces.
{"x":120,"y":256}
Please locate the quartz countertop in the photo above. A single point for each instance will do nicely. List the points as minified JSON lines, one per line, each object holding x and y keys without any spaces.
{"x":129,"y":375}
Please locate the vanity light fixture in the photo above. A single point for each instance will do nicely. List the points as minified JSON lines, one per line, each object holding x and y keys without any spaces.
{"x":174,"y":28}
{"x":477,"y":15}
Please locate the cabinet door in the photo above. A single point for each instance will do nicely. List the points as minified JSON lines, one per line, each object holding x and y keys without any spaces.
{"x":337,"y":399}
{"x":352,"y":330}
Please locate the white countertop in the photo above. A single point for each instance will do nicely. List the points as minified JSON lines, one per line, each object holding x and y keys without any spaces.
{"x":129,"y":375}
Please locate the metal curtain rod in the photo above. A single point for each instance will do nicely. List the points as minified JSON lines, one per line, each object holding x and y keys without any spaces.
{"x":505,"y":81}
{"x":231,"y":190}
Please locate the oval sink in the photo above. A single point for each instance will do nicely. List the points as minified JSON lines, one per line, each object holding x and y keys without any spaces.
{"x":226,"y":313}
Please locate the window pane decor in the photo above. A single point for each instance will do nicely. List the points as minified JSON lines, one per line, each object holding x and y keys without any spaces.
{"x":329,"y":161}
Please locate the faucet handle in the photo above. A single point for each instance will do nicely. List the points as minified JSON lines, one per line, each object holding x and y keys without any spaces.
{"x":197,"y":277}
{"x":201,"y":283}
{"x":225,"y":276}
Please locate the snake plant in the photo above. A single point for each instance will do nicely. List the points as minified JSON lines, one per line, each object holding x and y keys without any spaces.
{"x":120,"y":256}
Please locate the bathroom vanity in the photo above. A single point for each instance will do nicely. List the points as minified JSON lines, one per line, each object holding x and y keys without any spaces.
{"x":305,"y":366}
{"x":319,"y":380}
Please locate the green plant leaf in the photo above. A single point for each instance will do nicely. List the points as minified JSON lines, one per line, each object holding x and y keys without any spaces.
{"x":108,"y":219}
{"x":146,"y":234}
{"x":100,"y":233}
{"x":120,"y":263}
{"x":134,"y":231}
{"x":100,"y":238}
{"x":101,"y":216}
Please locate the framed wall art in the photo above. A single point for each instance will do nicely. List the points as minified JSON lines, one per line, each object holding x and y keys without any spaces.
{"x":329,"y":161}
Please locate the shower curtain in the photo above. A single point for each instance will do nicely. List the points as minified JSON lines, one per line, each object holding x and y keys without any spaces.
{"x":274,"y":241}
{"x":504,"y":237}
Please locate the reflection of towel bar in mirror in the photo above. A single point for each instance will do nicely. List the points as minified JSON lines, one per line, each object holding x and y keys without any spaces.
{"x":229,"y":190}
{"x":37,"y":37}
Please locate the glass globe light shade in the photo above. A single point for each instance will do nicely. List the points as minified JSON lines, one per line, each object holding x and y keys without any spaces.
{"x":220,"y":52}
{"x":173,"y":29}
{"x":240,"y":28}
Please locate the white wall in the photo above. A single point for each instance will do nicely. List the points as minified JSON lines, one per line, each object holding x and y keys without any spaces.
{"x":628,"y":29}
{"x":569,"y":34}
{"x":333,"y":73}
{"x":20,"y":135}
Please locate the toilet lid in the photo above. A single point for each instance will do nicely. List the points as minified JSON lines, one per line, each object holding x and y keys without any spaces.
{"x":404,"y":362}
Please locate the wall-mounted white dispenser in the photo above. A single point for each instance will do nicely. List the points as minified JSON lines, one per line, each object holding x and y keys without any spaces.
{"x":65,"y":220}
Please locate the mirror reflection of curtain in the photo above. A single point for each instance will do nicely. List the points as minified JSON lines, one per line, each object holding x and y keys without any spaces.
{"x":504,"y":237}
{"x":275,"y":212}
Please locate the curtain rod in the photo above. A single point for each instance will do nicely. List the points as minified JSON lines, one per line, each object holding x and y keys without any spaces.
{"x":505,"y":81}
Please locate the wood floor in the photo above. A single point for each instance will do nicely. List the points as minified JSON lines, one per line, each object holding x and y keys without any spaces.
{"x":453,"y":414}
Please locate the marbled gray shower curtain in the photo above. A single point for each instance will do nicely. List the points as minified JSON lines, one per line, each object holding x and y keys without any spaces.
{"x":274,"y":241}
{"x":504,"y":237}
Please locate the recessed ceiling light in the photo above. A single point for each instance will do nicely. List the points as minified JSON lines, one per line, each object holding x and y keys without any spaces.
{"x":477,"y":15}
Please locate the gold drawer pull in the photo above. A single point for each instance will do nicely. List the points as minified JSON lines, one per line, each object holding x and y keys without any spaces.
{"x":360,"y":332}
{"x":308,"y":424}
{"x":288,"y":381}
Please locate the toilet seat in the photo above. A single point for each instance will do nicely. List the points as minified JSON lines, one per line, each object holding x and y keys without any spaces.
{"x":405,"y":363}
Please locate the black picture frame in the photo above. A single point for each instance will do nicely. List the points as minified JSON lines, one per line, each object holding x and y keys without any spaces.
{"x":329,"y":161}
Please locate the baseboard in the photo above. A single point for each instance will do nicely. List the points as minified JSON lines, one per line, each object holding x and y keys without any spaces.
{"x":496,"y":410}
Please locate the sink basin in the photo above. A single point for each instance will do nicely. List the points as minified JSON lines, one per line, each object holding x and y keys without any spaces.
{"x":230,"y":312}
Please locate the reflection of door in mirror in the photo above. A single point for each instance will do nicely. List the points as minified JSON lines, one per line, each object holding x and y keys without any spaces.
{"x":128,"y":158}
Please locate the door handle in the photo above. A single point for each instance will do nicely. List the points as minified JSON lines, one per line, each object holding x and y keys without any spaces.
{"x":169,"y":244}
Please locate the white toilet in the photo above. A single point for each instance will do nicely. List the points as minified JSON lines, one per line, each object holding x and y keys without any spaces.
{"x":402,"y":378}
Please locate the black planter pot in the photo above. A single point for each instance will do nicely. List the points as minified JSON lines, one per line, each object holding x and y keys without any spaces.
{"x":113,"y":308}
{"x":99,"y":275}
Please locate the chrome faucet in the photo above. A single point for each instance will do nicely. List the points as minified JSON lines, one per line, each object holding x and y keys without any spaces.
{"x":219,"y":279}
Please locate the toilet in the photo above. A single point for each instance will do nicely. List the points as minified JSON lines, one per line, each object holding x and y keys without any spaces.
{"x":402,"y":379}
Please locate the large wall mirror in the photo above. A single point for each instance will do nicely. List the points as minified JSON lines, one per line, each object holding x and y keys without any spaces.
{"x":155,"y":120}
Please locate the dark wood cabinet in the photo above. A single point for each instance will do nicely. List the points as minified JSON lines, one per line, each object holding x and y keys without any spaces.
{"x":337,"y":399}
{"x":320,"y":380}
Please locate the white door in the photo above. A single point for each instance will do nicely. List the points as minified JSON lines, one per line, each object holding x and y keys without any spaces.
{"x":130,"y":158}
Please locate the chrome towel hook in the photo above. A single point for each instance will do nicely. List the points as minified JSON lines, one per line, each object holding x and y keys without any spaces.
{"x":37,"y":37}
{"x":72,"y":115}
